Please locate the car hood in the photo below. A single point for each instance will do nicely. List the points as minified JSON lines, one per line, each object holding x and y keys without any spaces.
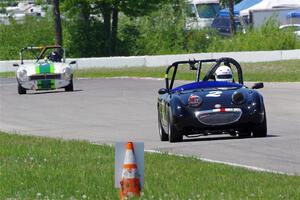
{"x":205,"y":85}
{"x":211,"y":96}
{"x":43,"y":68}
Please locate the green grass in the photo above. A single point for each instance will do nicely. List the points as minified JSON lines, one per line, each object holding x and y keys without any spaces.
{"x":279,"y":71}
{"x":41,"y":168}
{"x":7,"y":74}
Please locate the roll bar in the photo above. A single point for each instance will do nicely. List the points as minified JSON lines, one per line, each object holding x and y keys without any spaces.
{"x":43,"y":49}
{"x":226,"y":60}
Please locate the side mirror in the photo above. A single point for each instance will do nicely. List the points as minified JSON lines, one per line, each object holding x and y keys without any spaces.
{"x":73,"y":62}
{"x":162,"y":91}
{"x":16,"y":65}
{"x":258,"y":85}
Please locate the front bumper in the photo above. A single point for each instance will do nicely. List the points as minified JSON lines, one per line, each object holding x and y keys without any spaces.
{"x":217,"y":117}
{"x":45,"y":82}
{"x":217,"y":120}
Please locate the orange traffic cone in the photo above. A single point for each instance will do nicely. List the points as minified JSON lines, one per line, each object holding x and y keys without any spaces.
{"x":130,"y":183}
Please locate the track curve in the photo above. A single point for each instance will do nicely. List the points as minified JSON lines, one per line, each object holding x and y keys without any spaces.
{"x":120,"y":109}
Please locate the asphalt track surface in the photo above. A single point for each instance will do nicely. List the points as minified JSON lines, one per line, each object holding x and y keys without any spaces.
{"x":110,"y":110}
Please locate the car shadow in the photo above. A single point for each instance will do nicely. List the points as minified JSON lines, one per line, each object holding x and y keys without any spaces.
{"x":227,"y":137}
{"x":53,"y":92}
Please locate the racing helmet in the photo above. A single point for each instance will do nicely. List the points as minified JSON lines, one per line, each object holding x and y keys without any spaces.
{"x":223,"y":73}
{"x":54,"y":57}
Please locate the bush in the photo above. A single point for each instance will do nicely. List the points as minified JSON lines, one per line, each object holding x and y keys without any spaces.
{"x":268,"y":37}
{"x":161,"y":32}
{"x":32,"y":32}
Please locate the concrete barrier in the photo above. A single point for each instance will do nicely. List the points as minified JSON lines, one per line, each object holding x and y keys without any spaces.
{"x":164,"y":60}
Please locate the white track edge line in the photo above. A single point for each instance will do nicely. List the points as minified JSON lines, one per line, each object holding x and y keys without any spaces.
{"x":224,"y":162}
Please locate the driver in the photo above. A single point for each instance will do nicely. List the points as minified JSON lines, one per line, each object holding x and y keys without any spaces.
{"x":223,"y":73}
{"x":54,"y":57}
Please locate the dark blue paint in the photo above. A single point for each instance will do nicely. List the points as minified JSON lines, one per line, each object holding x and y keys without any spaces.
{"x":205,"y":84}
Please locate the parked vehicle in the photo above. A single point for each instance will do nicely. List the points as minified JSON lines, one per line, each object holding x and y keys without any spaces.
{"x":222,"y":25}
{"x":211,"y":105}
{"x":294,"y":27}
{"x":201,"y":13}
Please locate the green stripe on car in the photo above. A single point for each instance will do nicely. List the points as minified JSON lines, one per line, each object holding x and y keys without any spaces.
{"x":37,"y":69}
{"x":52,"y":84}
{"x":45,"y":68}
{"x":46,"y":84}
{"x":51,"y":68}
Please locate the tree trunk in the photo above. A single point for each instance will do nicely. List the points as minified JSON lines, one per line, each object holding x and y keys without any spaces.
{"x":57,"y":23}
{"x":114,"y":30}
{"x":106,"y":11}
{"x":231,"y":14}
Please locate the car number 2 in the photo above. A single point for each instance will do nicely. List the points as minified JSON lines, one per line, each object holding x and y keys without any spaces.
{"x":214,"y":94}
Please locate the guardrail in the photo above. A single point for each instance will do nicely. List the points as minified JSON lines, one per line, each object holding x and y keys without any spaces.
{"x":164,"y":60}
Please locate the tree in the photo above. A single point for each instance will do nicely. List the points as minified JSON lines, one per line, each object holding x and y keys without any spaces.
{"x":231,"y":14}
{"x":57,"y":23}
{"x":110,"y":10}
{"x":107,"y":12}
{"x":225,"y":3}
{"x":230,"y":4}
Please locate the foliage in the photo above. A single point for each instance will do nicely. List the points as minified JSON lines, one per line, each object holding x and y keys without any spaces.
{"x":268,"y":37}
{"x":32,"y":32}
{"x":225,"y":3}
{"x":82,"y":30}
{"x":161,"y":31}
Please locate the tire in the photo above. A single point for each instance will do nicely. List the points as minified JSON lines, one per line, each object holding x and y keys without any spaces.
{"x":69,"y":88}
{"x":174,"y":134}
{"x":21,"y":90}
{"x":162,"y":134}
{"x":261,"y":129}
{"x":245,"y":134}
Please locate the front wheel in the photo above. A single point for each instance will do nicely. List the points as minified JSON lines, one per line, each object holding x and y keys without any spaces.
{"x":162,"y":134}
{"x":245,"y":134}
{"x":261,"y":129}
{"x":69,"y":88}
{"x":174,"y":134}
{"x":21,"y":90}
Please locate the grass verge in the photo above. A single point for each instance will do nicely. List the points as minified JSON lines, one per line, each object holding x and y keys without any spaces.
{"x":42,"y":168}
{"x":279,"y":71}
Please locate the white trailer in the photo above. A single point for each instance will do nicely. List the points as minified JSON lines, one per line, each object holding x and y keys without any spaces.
{"x":259,"y":17}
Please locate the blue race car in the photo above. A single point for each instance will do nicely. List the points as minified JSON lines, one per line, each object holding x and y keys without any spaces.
{"x":217,"y":104}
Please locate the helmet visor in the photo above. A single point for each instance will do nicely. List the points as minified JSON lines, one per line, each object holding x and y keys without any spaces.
{"x":225,"y":76}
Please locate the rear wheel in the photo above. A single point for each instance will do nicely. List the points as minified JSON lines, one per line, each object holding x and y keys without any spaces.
{"x":174,"y":134}
{"x":261,"y":129}
{"x":69,"y":88}
{"x":21,"y":90}
{"x":162,"y":134}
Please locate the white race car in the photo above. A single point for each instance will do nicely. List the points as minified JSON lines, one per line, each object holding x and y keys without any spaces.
{"x":46,"y":72}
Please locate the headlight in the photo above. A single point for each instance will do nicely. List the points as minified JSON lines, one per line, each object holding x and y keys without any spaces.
{"x":238,"y":98}
{"x":195,"y":101}
{"x":23,"y":75}
{"x":67,"y":73}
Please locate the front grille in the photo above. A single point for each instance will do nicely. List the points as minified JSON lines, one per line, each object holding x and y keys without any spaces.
{"x":45,"y":77}
{"x":216,"y":117}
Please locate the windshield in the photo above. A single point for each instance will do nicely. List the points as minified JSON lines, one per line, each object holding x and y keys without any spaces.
{"x":208,"y":10}
{"x":191,"y":11}
{"x":48,"y":53}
